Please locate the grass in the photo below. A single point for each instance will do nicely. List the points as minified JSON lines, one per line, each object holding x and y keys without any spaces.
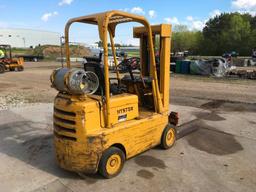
{"x":21,"y":51}
{"x":133,"y":53}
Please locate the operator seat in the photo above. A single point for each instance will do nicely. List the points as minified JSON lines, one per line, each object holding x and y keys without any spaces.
{"x":98,"y":69}
{"x":143,"y":89}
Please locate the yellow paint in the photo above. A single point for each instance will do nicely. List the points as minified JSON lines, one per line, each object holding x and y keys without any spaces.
{"x":113,"y":164}
{"x":123,"y":107}
{"x":85,"y":126}
{"x":81,"y":151}
{"x":164,"y":31}
{"x":170,"y":137}
{"x":12,"y":63}
{"x":15,"y":63}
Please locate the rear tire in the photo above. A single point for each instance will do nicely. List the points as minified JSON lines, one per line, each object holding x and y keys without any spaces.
{"x":2,"y":68}
{"x":20,"y":68}
{"x":168,"y":137}
{"x":112,"y":162}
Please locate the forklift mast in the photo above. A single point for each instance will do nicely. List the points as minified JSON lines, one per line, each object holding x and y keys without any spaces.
{"x":162,"y":43}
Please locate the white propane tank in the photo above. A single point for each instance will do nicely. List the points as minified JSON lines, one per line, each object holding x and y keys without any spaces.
{"x":74,"y":81}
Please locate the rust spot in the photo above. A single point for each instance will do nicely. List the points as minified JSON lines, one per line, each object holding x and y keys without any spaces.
{"x":69,"y":102}
{"x":91,"y":139}
{"x":82,"y":113}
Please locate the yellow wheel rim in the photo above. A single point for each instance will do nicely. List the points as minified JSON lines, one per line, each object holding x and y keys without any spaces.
{"x":170,"y":137}
{"x":113,"y":164}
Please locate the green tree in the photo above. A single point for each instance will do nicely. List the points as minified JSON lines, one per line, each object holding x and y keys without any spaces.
{"x":99,"y":43}
{"x":185,"y":40}
{"x":228,"y":32}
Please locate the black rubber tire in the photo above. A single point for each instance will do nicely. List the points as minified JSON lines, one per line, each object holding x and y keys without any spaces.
{"x":104,"y":158}
{"x":20,"y":68}
{"x":163,"y":144}
{"x":2,"y":68}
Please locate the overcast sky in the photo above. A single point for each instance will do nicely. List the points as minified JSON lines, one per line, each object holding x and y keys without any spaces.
{"x":52,"y":15}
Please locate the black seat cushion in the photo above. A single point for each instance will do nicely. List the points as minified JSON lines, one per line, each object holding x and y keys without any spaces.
{"x":98,"y":69}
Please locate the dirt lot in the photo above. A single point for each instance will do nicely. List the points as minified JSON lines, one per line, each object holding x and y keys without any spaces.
{"x":33,"y":86}
{"x":217,"y":118}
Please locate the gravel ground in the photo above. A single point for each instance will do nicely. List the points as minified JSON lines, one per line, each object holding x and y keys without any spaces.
{"x":12,"y":100}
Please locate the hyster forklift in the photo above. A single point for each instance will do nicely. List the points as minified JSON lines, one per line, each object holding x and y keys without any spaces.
{"x":8,"y":62}
{"x":99,"y":120}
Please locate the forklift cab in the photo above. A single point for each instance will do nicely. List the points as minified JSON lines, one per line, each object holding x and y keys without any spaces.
{"x":98,"y":132}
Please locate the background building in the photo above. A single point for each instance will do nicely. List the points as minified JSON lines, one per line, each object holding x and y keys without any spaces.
{"x":27,"y":37}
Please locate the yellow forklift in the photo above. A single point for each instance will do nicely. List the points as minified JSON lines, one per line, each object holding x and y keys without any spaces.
{"x":100,"y":120}
{"x":8,"y":62}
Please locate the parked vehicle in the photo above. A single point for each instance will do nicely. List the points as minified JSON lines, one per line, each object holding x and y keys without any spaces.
{"x":230,"y":54}
{"x":34,"y":58}
{"x":7,"y":62}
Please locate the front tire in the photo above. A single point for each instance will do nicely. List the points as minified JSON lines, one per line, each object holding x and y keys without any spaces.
{"x":112,"y":162}
{"x":168,"y":137}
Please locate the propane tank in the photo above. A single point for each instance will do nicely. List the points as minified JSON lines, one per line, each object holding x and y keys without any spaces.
{"x":74,"y":81}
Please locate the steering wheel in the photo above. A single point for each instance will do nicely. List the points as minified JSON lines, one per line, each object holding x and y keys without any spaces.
{"x":128,"y":65}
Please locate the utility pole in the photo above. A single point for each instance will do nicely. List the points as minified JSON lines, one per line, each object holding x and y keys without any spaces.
{"x":62,"y":38}
{"x":24,"y":41}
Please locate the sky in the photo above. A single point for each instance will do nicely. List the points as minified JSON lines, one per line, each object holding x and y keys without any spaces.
{"x":51,"y":15}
